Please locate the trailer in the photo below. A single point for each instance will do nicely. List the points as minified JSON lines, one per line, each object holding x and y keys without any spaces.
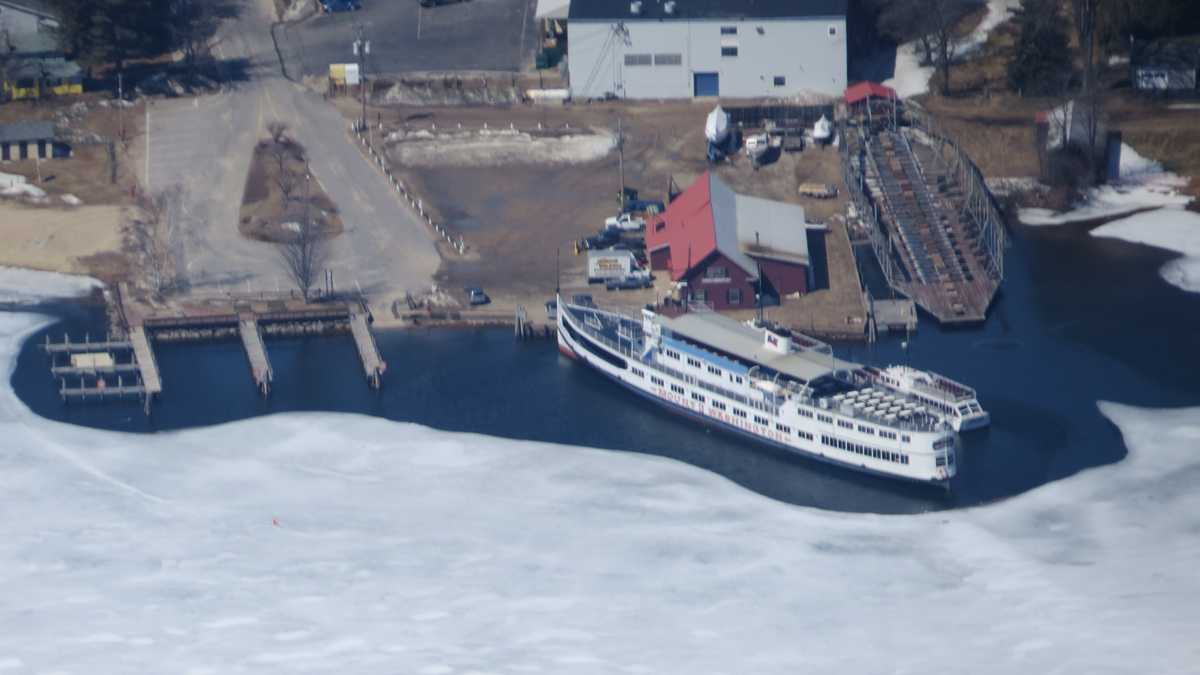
{"x":610,"y":264}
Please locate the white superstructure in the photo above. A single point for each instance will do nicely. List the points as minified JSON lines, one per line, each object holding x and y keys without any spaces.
{"x":759,"y":382}
{"x":954,"y":402}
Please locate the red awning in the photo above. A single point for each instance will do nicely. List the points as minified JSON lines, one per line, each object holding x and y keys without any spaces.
{"x":865,"y":90}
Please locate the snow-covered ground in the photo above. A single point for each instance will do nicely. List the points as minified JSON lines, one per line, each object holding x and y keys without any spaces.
{"x":912,"y":79}
{"x":1143,"y":185}
{"x":497,"y":147}
{"x":350,"y":544}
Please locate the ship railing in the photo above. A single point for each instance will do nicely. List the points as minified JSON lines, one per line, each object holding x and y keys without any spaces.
{"x":769,"y":408}
{"x":957,"y":392}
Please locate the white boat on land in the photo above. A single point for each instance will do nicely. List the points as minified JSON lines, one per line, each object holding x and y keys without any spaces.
{"x":716,"y":126}
{"x":759,"y":382}
{"x":954,"y":402}
{"x":822,"y":130}
{"x":757,"y":146}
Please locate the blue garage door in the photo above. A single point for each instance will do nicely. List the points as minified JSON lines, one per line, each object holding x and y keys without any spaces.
{"x":707,"y":84}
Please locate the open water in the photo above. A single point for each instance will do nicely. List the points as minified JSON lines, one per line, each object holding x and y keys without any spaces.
{"x":1079,"y":320}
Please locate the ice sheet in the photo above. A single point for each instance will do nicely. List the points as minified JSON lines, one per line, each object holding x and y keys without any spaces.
{"x":1171,"y":229}
{"x":349,"y":544}
{"x":22,"y":286}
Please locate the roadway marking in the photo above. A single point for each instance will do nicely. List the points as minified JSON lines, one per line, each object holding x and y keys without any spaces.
{"x":418,"y":21}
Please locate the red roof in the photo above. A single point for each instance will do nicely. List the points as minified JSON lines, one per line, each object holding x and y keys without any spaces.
{"x":687,"y":227}
{"x":864,"y":90}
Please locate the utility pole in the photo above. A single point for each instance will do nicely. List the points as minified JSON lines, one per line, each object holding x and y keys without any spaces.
{"x":621,"y":164}
{"x":362,"y":47}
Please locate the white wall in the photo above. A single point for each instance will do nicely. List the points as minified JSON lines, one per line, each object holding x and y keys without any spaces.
{"x":18,"y":22}
{"x":799,"y":50}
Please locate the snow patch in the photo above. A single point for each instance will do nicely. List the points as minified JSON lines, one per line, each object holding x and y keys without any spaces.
{"x":71,"y":200}
{"x":1170,"y":229}
{"x":24,"y":190}
{"x":910,"y":78}
{"x":22,"y":286}
{"x":497,"y":147}
{"x":561,"y":559}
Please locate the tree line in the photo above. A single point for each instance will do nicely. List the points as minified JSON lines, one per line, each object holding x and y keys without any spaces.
{"x":114,"y":32}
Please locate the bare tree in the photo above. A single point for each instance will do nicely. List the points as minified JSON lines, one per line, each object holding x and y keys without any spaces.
{"x":304,"y":251}
{"x":193,"y":23}
{"x":287,"y":181}
{"x":152,"y":235}
{"x":278,"y":130}
{"x":932,"y":24}
{"x":303,"y":255}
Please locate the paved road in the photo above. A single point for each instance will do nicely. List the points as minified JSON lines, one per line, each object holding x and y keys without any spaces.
{"x":474,"y":35}
{"x":205,"y":145}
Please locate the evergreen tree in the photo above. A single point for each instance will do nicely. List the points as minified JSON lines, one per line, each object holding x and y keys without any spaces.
{"x":1041,"y":64}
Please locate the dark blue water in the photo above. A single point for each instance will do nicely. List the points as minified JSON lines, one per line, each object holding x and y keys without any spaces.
{"x":1080,"y":320}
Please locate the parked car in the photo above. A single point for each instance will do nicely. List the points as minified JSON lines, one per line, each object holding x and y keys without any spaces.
{"x":435,"y":3}
{"x":329,"y":6}
{"x":476,"y":296}
{"x":644,"y":206}
{"x":606,"y":238}
{"x":633,"y":281}
{"x":626,"y":222}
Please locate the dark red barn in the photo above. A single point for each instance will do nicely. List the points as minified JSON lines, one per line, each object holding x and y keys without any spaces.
{"x":716,"y":241}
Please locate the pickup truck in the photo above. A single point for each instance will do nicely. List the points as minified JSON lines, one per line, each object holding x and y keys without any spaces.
{"x":626,"y":222}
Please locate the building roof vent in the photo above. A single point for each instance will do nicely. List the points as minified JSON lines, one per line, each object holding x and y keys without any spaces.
{"x":669,"y":6}
{"x":635,"y":7}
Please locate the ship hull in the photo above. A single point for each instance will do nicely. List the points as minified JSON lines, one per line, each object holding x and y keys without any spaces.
{"x":603,"y":364}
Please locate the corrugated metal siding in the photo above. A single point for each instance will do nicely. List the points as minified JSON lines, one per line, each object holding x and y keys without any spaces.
{"x":801,"y":51}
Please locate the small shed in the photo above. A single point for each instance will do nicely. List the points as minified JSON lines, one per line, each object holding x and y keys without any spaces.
{"x":30,"y":139}
{"x":1167,"y":65}
{"x":871,"y":101}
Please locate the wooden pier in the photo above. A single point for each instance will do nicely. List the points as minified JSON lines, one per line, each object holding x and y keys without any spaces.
{"x":256,"y":351}
{"x":100,"y":375}
{"x":368,"y":352}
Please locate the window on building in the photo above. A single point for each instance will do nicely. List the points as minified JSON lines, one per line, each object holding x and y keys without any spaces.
{"x":780,"y":81}
{"x":668,"y":59}
{"x":728,"y":30}
{"x":700,"y":295}
{"x":729,"y":51}
{"x":716,"y":272}
{"x":637,"y":59}
{"x":734,"y":296}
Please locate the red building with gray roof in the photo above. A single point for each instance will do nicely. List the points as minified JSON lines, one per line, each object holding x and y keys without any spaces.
{"x":717,"y":242}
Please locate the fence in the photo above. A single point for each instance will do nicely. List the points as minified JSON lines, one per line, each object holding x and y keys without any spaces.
{"x":458,"y":244}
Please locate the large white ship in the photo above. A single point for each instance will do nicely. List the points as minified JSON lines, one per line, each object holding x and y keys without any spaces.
{"x":757,"y":381}
{"x":953,"y":401}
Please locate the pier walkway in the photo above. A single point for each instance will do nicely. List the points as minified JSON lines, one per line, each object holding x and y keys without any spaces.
{"x":256,"y":351}
{"x":144,"y":355}
{"x":368,"y":351}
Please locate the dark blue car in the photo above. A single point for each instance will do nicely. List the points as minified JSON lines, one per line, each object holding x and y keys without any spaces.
{"x":328,"y":6}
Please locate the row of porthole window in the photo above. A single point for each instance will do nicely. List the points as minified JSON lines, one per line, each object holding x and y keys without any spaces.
{"x":866,"y":451}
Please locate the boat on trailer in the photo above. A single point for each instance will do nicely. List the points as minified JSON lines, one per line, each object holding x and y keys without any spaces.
{"x":762,"y":382}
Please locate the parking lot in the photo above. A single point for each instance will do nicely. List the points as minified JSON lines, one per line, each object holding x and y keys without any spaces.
{"x":487,"y":35}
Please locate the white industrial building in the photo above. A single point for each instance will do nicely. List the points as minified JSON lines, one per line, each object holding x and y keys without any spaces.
{"x":685,"y":48}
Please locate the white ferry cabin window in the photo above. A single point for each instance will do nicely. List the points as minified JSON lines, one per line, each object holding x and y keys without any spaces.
{"x":825,"y":418}
{"x":677,"y":389}
{"x":739,"y":413}
{"x":806,"y":413}
{"x":941,"y":460}
{"x":697,"y":397}
{"x":760,"y":420}
{"x":718,"y":405}
{"x":693,"y":362}
{"x":904,"y":438}
{"x":714,"y":370}
{"x":783,"y":427}
{"x":845,"y":425}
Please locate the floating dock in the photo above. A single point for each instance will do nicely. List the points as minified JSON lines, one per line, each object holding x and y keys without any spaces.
{"x":95,"y":371}
{"x":256,"y":351}
{"x":368,"y":351}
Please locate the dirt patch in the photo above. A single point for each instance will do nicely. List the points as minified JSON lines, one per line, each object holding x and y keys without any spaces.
{"x":271,"y":206}
{"x":82,"y":240}
{"x":498,"y":147}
